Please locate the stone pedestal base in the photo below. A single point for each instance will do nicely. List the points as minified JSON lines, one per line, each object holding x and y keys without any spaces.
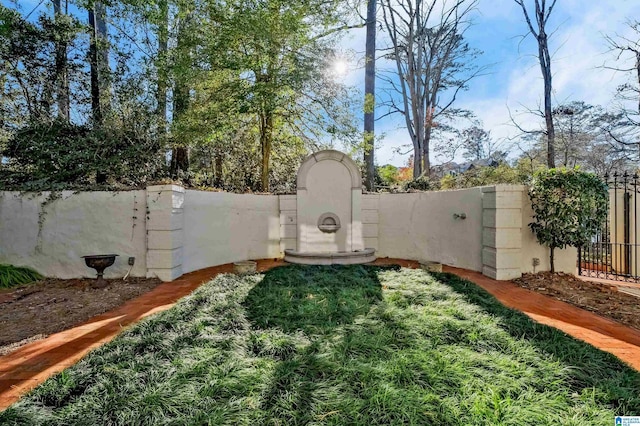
{"x":338,"y":258}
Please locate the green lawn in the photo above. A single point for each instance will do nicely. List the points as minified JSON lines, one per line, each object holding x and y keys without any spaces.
{"x":337,"y":345}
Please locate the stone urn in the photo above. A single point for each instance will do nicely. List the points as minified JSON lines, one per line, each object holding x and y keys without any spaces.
{"x":99,"y":262}
{"x":431,"y":266}
{"x":245,"y":267}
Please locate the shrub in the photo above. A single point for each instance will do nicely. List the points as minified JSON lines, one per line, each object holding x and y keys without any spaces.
{"x":422,"y":183}
{"x":11,"y":276}
{"x":59,"y":152}
{"x":568,"y":207}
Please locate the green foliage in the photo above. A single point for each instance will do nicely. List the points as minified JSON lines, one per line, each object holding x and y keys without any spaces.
{"x":337,"y":345}
{"x":45,"y":154}
{"x":242,"y":85}
{"x":569,"y":207}
{"x":11,"y":276}
{"x":422,"y":183}
{"x":483,"y":176}
{"x":387,"y":175}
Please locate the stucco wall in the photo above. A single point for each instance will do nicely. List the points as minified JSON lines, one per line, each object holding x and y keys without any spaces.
{"x":217,"y":228}
{"x":221,"y":228}
{"x":72,"y":226}
{"x":421,"y":226}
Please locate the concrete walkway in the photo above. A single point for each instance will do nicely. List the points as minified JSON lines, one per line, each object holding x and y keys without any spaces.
{"x":33,"y":363}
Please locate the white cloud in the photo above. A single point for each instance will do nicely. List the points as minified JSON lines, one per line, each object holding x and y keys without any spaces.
{"x":579,"y":47}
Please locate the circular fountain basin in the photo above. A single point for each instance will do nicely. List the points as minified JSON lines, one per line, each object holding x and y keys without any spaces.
{"x":330,"y":258}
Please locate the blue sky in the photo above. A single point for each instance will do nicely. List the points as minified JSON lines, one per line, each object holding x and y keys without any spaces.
{"x":514,"y":80}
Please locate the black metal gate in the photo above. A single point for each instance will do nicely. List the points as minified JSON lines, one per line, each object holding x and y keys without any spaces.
{"x":613,"y":252}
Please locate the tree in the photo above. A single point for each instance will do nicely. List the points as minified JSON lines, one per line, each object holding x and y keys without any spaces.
{"x":542,"y":14}
{"x":280,"y":52}
{"x":183,"y":64}
{"x":568,"y":207}
{"x":62,"y":76}
{"x":627,"y":133}
{"x":478,"y":145}
{"x":98,"y":61}
{"x":432,"y":61}
{"x":370,"y":96}
{"x":387,"y":175}
{"x":583,"y":138}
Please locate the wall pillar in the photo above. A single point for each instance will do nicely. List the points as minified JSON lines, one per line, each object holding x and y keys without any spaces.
{"x":502,"y":231}
{"x":165,"y":223}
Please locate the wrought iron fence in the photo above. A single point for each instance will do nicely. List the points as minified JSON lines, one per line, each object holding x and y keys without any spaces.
{"x":613,"y":252}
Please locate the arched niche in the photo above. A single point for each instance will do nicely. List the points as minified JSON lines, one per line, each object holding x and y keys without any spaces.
{"x":329,"y":185}
{"x":330,"y":155}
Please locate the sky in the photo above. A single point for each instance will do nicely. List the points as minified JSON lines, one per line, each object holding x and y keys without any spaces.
{"x":513,"y":81}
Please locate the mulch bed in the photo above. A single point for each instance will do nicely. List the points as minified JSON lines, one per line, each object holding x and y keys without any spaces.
{"x":602,"y":299}
{"x":33,"y":311}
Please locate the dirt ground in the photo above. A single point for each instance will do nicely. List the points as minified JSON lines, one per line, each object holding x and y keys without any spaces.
{"x":602,"y":299}
{"x":33,"y":311}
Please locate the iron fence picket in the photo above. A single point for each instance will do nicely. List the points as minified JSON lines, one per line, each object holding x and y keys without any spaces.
{"x":611,"y":253}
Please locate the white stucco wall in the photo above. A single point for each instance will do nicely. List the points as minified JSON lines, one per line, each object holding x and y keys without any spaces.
{"x":73,"y":226}
{"x":421,"y":226}
{"x":221,"y":228}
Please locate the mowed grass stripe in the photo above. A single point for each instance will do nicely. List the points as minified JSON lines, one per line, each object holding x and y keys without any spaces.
{"x":337,"y":345}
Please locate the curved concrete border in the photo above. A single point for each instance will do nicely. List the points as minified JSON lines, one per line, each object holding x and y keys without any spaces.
{"x":329,"y":154}
{"x":341,"y":258}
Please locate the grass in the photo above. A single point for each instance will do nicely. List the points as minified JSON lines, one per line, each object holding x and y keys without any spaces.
{"x":11,"y":276}
{"x":337,"y":345}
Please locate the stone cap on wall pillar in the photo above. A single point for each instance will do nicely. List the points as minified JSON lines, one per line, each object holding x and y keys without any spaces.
{"x":503,"y":188}
{"x":167,"y":187}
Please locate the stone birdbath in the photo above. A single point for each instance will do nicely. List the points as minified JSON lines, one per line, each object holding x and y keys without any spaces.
{"x":99,"y":262}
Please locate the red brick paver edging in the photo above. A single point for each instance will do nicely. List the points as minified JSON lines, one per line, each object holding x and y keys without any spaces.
{"x":33,"y":363}
{"x":603,"y":333}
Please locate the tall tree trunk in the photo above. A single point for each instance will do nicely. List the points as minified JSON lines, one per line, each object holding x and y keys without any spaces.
{"x":417,"y":161}
{"x":93,"y":63}
{"x":545,"y":65}
{"x":426,"y":162}
{"x":96,"y":108}
{"x":637,"y":52}
{"x":542,"y":13}
{"x":61,"y":75}
{"x":370,"y":97}
{"x":102,"y":56}
{"x":180,"y":152}
{"x":266,"y":139}
{"x":217,"y":182}
{"x":162,"y":84}
{"x":552,"y":260}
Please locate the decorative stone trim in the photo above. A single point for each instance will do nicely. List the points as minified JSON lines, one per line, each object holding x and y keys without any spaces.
{"x":329,"y":222}
{"x":502,"y":231}
{"x":370,"y":219}
{"x":165,"y":223}
{"x":288,"y":222}
{"x":329,"y":154}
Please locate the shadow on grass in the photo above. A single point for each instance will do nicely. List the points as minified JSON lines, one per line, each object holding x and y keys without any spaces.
{"x":589,"y":367}
{"x":313,"y":299}
{"x":318,"y":301}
